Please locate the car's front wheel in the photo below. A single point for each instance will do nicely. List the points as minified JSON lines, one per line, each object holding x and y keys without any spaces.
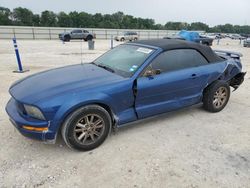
{"x":216,"y":96}
{"x":66,"y":38}
{"x":86,"y":128}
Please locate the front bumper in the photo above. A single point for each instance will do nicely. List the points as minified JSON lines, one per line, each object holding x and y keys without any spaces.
{"x":19,"y":121}
{"x":60,"y":36}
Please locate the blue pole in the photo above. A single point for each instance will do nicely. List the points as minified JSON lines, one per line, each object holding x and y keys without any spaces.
{"x":20,"y":68}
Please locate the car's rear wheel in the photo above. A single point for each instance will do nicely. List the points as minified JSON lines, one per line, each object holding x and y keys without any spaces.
{"x":122,"y":39}
{"x":216,"y":96}
{"x":86,"y":128}
{"x":89,"y":37}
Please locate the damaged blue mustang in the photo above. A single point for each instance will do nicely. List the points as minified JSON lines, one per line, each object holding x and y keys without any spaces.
{"x":130,"y":82}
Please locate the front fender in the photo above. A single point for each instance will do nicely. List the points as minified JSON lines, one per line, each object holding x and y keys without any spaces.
{"x":77,"y":101}
{"x":66,"y":104}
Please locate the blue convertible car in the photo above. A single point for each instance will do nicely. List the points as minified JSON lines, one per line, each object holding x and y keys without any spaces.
{"x":128,"y":83}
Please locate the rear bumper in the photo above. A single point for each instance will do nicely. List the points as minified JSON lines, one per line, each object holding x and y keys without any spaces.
{"x":18,"y":121}
{"x":236,"y":81}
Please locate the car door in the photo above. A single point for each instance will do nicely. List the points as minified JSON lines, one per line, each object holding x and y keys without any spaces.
{"x":77,"y":34}
{"x":126,"y":36}
{"x":130,"y":36}
{"x":85,"y":34}
{"x":73,"y":34}
{"x":175,"y":82}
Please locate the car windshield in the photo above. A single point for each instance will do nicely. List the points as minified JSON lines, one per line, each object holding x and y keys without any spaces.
{"x":124,"y":60}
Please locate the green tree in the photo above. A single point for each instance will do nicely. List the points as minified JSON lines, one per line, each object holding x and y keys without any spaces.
{"x":118,"y":18}
{"x":75,"y":19}
{"x":176,"y":25}
{"x":22,"y":16}
{"x":48,"y":19}
{"x":97,"y":20}
{"x":36,"y":20}
{"x":5,"y":16}
{"x":85,"y":19}
{"x":199,"y":26}
{"x":64,"y":20}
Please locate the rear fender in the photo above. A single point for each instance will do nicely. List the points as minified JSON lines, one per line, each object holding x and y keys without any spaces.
{"x":229,"y":71}
{"x":232,"y":68}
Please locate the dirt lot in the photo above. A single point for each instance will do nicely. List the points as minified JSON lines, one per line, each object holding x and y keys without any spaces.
{"x":187,"y":148}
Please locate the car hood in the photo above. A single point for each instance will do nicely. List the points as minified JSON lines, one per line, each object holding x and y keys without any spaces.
{"x":61,"y":80}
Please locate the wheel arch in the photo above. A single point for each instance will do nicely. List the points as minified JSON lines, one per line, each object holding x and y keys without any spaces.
{"x":229,"y":71}
{"x":89,"y":36}
{"x":73,"y":108}
{"x":67,"y":35}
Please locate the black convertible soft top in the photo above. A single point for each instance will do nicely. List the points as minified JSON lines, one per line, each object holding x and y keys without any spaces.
{"x":172,"y":44}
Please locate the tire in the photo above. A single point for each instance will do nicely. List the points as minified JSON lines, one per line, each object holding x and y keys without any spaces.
{"x":66,"y":38}
{"x":79,"y":130}
{"x":89,"y":37}
{"x":135,"y":38}
{"x":216,"y":96}
{"x":122,"y":39}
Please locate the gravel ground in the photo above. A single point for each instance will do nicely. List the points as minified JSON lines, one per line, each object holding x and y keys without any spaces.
{"x":186,"y":148}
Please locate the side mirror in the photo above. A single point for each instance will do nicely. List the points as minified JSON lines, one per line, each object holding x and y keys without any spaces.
{"x":151,"y":72}
{"x":158,"y":71}
{"x":148,"y":73}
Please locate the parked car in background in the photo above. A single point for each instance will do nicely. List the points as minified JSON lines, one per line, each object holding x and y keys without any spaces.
{"x":77,"y":34}
{"x":131,"y":82}
{"x":246,"y":42}
{"x":204,"y":40}
{"x":236,"y":37}
{"x":245,"y":35}
{"x":219,"y":36}
{"x":211,"y":36}
{"x":129,"y":36}
{"x":195,"y":37}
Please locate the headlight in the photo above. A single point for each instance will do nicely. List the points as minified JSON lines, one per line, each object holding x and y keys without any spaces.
{"x":34,"y":112}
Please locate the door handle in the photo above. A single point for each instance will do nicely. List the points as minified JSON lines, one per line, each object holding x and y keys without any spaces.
{"x":193,"y":76}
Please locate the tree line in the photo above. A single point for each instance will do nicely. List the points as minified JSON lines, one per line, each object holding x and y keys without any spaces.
{"x":25,"y":17}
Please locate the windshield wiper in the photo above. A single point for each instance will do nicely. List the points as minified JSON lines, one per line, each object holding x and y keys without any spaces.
{"x":106,"y":68}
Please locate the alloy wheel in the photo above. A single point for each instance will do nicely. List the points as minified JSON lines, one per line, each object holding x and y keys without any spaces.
{"x":220,"y":97}
{"x":89,"y":129}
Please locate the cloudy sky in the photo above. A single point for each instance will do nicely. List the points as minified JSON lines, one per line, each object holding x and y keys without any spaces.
{"x":212,"y":12}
